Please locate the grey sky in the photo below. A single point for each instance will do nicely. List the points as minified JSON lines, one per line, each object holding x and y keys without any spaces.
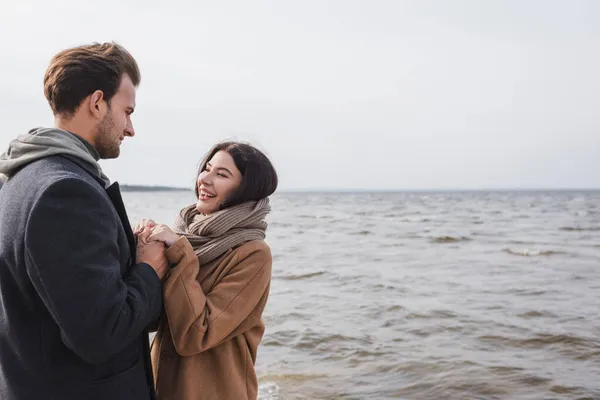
{"x":340,"y":94}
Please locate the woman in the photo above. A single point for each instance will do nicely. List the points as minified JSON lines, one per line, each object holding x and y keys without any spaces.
{"x":216,"y":291}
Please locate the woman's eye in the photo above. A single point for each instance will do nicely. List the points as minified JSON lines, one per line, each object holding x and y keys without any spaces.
{"x":222,"y":175}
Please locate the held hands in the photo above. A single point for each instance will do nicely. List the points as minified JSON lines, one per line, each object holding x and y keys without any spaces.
{"x":143,"y":224}
{"x":163,"y":233}
{"x":153,"y":239}
{"x":152,"y":253}
{"x":149,"y":230}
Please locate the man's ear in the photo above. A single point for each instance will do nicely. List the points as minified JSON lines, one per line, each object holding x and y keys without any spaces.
{"x":97,"y":104}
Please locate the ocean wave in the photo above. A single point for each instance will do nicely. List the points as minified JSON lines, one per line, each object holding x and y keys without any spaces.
{"x":588,"y":355}
{"x":539,"y":341}
{"x":302,"y":276}
{"x":561,"y":389}
{"x":532,"y":252}
{"x":505,"y":369}
{"x":310,"y":339}
{"x":536,"y":314}
{"x":362,"y":233}
{"x":279,"y":338}
{"x":450,"y":239}
{"x":291,"y":377}
{"x":580,"y":229}
{"x":530,"y":292}
{"x":394,"y":308}
{"x":276,"y":224}
{"x":435,"y":314}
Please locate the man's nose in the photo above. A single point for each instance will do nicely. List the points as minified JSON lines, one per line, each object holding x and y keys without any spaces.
{"x":129,"y":131}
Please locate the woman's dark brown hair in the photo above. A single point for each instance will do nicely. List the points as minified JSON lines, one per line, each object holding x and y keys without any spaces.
{"x":76,"y":73}
{"x":259,"y":178}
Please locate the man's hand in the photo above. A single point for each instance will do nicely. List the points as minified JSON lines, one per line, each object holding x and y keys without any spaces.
{"x":152,"y":253}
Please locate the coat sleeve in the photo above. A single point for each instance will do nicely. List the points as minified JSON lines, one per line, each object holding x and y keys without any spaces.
{"x":200,"y":321}
{"x":74,"y":265}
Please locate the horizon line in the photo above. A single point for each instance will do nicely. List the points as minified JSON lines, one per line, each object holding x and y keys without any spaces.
{"x":127,"y":186}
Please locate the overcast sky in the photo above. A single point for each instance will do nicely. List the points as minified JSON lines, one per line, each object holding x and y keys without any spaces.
{"x":340,"y":94}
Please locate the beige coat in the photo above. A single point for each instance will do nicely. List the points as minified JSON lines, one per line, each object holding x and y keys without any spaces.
{"x":206,"y":346}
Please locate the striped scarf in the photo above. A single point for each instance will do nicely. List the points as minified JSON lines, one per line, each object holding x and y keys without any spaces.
{"x":214,"y":234}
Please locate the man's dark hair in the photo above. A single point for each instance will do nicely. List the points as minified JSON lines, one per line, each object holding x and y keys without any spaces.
{"x":76,"y":73}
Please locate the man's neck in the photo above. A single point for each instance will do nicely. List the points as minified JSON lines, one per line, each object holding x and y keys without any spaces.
{"x":91,"y":149}
{"x":74,"y":126}
{"x":77,"y":130}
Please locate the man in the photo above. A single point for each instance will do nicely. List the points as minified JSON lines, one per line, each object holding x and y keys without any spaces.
{"x":76,"y":294}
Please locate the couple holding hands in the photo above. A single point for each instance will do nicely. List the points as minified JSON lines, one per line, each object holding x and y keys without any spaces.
{"x":80,"y":290}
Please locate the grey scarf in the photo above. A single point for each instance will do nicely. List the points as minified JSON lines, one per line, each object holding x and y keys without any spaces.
{"x":212,"y":235}
{"x":45,"y":142}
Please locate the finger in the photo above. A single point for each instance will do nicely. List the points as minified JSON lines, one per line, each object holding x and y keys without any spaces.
{"x":141,"y":225}
{"x":143,"y":228}
{"x":158,"y":243}
{"x":143,"y":235}
{"x":156,"y":236}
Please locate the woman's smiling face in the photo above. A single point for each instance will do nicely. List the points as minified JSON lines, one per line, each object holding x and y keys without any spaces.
{"x":217,"y":182}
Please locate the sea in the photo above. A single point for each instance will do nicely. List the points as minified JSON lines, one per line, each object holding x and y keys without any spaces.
{"x":426,"y":295}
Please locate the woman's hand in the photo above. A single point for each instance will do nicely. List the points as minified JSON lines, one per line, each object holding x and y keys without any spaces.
{"x":164,"y":234}
{"x":144,"y":223}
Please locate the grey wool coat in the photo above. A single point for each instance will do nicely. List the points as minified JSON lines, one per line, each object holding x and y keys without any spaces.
{"x":74,"y":304}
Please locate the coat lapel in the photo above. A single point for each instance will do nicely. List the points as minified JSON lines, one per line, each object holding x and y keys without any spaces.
{"x":114,"y":193}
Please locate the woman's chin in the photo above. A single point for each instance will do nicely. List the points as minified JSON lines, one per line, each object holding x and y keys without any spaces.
{"x":203,"y":208}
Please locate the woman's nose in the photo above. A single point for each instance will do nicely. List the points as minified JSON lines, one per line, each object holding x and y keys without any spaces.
{"x":206,"y":179}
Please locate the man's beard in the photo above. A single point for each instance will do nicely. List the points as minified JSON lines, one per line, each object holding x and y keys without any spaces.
{"x":107,"y":144}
